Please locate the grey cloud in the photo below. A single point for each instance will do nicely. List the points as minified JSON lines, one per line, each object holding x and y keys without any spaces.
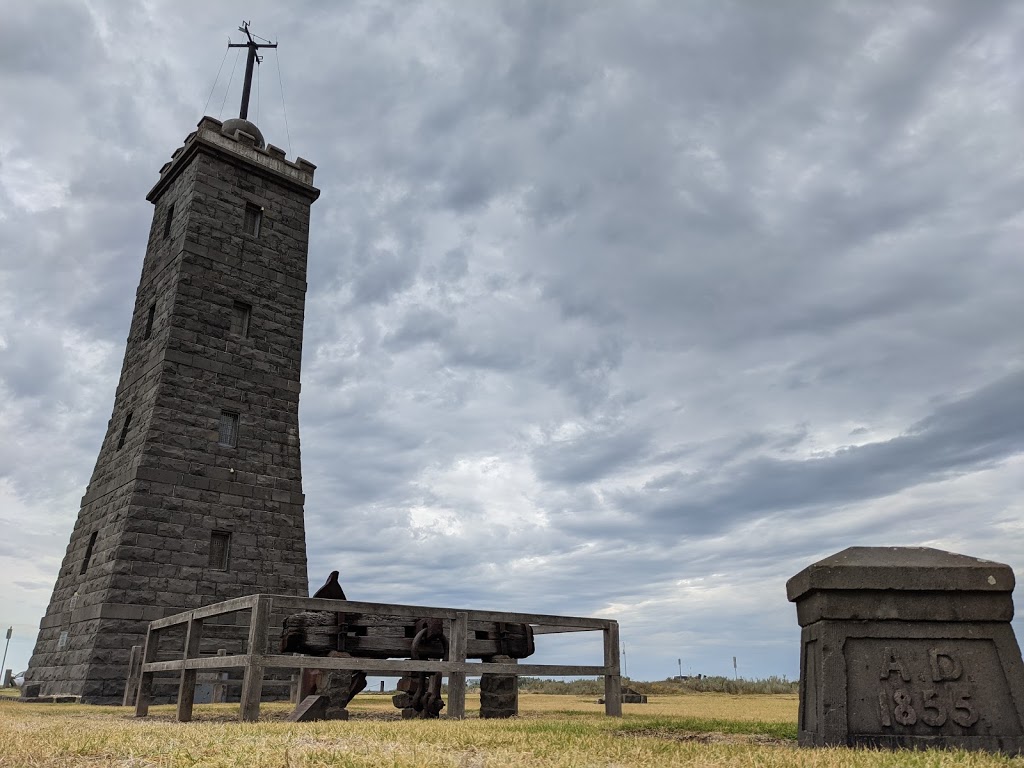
{"x":383,"y":274}
{"x":471,"y":183}
{"x":419,"y":326}
{"x":31,"y":362}
{"x":32,"y":585}
{"x":974,"y":432}
{"x":590,"y":456}
{"x":24,"y":49}
{"x":453,"y":266}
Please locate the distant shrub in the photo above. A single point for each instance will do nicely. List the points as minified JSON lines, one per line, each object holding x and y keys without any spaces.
{"x":716,"y":684}
{"x":587,"y":687}
{"x":719,"y":684}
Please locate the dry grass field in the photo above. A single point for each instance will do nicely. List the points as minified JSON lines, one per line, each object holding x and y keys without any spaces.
{"x":552,"y":731}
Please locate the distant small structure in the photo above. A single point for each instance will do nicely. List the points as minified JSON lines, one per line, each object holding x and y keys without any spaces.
{"x":630,"y":696}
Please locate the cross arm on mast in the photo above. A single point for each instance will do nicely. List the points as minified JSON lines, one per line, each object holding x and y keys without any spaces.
{"x":253,"y":58}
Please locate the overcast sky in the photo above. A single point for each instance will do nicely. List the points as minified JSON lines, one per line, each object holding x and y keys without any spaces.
{"x":624,"y":309}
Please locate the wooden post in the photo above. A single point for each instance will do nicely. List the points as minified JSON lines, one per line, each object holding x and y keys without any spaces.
{"x":252,"y":683}
{"x":457,"y":680}
{"x":220,"y":688}
{"x":146,"y":678}
{"x":187,"y":685}
{"x":131,"y":684}
{"x":612,"y":681}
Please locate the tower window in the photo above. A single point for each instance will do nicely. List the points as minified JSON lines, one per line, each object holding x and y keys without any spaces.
{"x":149,"y":321}
{"x":124,"y":430}
{"x":88,"y":552}
{"x":167,"y":221}
{"x":252,"y":220}
{"x":220,"y":546}
{"x":240,"y":314}
{"x":228,"y":432}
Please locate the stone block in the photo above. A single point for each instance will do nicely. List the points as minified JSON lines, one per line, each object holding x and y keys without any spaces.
{"x":499,"y":694}
{"x":908,"y":647}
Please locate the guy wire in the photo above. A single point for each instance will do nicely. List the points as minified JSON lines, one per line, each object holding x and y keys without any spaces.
{"x":217,"y":78}
{"x":228,"y":89}
{"x":280,"y":79}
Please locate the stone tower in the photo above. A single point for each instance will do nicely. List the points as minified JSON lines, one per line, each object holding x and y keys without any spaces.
{"x":197,"y":492}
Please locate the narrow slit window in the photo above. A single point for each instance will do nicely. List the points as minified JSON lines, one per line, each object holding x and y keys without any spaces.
{"x":252,"y":220}
{"x":149,"y":321}
{"x":167,"y":221}
{"x":220,"y":547}
{"x":88,"y":551}
{"x":240,"y":315}
{"x":228,"y":432}
{"x":124,"y":431}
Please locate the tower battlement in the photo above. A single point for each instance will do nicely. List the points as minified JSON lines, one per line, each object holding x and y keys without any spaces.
{"x":241,"y":138}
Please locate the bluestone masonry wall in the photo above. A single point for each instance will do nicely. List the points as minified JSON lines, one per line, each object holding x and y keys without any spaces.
{"x":164,"y":486}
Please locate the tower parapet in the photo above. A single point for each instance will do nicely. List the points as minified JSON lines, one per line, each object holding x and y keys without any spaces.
{"x":241,"y":138}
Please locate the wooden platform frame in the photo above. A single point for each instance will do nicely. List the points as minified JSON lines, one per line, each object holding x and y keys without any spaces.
{"x":257,"y":660}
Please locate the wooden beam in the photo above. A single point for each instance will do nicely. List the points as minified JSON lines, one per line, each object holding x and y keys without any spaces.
{"x":548,"y":629}
{"x":387,"y":647}
{"x":457,"y":654}
{"x":550,"y":622}
{"x":187,"y":686}
{"x":252,"y":682}
{"x":131,"y":685}
{"x":352,"y":606}
{"x":207,"y":662}
{"x":539,"y":619}
{"x":564,"y":623}
{"x":401,"y":666}
{"x":146,"y":678}
{"x":276,"y":661}
{"x":217,"y":609}
{"x":535,"y":670}
{"x":612,"y":681}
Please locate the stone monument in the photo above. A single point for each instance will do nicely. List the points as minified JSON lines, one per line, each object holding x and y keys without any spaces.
{"x":196,"y":496}
{"x":908,"y":647}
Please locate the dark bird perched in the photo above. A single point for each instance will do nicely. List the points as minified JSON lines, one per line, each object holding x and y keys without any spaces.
{"x":331,"y":590}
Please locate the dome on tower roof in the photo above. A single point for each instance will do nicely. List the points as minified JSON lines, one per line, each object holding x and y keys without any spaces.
{"x":238,"y":124}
